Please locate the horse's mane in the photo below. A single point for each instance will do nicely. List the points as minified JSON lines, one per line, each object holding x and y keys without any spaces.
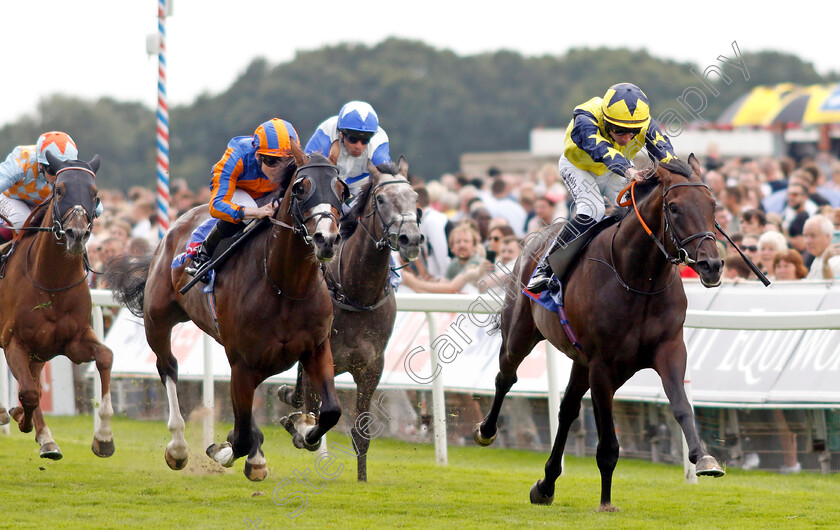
{"x":644,"y":187}
{"x":281,"y":183}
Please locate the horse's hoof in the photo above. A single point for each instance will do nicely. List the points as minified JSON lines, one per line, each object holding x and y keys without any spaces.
{"x":539,"y":498}
{"x":707,"y":466}
{"x":4,"y":417}
{"x":255,"y":472}
{"x":480,"y":439}
{"x":102,"y":449}
{"x":608,"y":507}
{"x":176,"y":464}
{"x":308,"y":447}
{"x":221,"y":453}
{"x":286,"y":394}
{"x":17,"y":414}
{"x":50,"y":450}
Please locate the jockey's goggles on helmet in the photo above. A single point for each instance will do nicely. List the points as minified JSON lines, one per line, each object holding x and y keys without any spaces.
{"x":357,"y":136}
{"x":623,"y":130}
{"x":271,"y":161}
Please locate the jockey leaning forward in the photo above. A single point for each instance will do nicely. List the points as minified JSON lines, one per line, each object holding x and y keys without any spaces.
{"x":601,"y":140}
{"x":26,"y":179}
{"x":243,"y":181}
{"x":361,"y":139}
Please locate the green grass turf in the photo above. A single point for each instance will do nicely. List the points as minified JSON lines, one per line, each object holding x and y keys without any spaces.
{"x":480,"y":488}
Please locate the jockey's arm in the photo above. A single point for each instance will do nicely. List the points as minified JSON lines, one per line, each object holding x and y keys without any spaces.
{"x":257,"y":212}
{"x":10,"y":171}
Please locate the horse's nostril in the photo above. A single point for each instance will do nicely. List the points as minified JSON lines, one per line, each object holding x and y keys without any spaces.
{"x":318,"y":238}
{"x":403,"y":240}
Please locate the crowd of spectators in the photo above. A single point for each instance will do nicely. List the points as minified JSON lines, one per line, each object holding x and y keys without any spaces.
{"x":784,"y":214}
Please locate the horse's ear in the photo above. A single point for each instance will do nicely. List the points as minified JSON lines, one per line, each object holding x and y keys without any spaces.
{"x":694,"y":163}
{"x":297,"y":152}
{"x":374,"y":173}
{"x":94,"y":163}
{"x":335,"y":150}
{"x":402,"y":166}
{"x":54,"y":162}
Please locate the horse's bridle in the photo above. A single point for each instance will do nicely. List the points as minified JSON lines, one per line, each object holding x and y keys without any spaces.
{"x":389,"y":239}
{"x":299,"y":205}
{"x":682,"y":254}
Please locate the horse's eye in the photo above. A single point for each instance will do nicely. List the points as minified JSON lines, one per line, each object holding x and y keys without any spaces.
{"x":672,"y":208}
{"x":380,"y":200}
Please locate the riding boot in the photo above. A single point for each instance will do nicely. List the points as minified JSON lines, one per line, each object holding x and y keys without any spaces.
{"x":542,"y":277}
{"x":205,"y":250}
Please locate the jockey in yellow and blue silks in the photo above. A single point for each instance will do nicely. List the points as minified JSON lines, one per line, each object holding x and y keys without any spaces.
{"x":601,"y":141}
{"x":243,"y":181}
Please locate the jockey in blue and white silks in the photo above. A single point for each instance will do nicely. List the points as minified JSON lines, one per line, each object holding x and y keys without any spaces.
{"x":357,"y":129}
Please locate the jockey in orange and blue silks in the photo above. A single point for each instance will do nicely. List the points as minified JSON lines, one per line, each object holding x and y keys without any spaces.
{"x":361,"y":140}
{"x":243,"y":181}
{"x":601,"y":141}
{"x":25,"y":177}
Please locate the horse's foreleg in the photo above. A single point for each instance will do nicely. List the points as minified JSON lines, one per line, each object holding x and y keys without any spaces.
{"x":517,"y":342}
{"x":543,"y":491}
{"x":43,"y":435}
{"x":246,"y":438}
{"x":606,"y":454}
{"x":670,"y":364}
{"x":103,"y":438}
{"x":29,"y":391}
{"x":320,"y":371}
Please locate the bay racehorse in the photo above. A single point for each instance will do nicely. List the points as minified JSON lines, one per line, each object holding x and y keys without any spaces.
{"x":270,"y":308}
{"x":45,"y":301}
{"x":363,"y":299}
{"x":626,"y":306}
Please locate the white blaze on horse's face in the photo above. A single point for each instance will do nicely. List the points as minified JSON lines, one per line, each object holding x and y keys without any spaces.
{"x":325,"y":234}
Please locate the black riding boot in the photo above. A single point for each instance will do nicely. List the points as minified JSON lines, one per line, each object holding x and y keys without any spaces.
{"x":205,"y":250}
{"x":541,"y":280}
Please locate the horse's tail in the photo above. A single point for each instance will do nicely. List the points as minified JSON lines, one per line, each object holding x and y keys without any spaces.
{"x":125,"y":276}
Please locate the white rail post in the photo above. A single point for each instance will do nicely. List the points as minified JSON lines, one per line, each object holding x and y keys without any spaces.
{"x":438,"y":397}
{"x":208,"y":391}
{"x":553,"y":369}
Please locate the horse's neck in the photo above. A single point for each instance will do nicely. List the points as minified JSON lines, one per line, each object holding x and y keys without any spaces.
{"x":48,"y":261}
{"x":363,"y":269}
{"x":290,"y":264}
{"x":636,"y":253}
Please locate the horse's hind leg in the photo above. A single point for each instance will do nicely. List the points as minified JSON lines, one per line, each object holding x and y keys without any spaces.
{"x":366,"y":383}
{"x":519,"y":336}
{"x":670,"y":364}
{"x":159,"y":338}
{"x":29,"y":391}
{"x":320,"y":371}
{"x":293,"y":396}
{"x":606,"y":454}
{"x":543,"y":491}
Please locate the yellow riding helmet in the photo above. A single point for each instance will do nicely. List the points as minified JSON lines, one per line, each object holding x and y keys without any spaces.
{"x":626,"y":106}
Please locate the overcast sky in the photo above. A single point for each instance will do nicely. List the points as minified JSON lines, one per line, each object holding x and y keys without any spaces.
{"x":93,"y":48}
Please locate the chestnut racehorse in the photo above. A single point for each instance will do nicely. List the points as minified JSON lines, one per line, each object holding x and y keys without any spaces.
{"x":45,"y":301}
{"x":625,"y":302}
{"x":360,"y":282}
{"x":272,"y":308}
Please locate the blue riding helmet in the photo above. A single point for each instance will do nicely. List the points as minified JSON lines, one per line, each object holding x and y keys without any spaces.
{"x":358,"y":116}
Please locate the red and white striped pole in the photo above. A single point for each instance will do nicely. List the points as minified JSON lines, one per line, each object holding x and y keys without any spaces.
{"x":162,"y":128}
